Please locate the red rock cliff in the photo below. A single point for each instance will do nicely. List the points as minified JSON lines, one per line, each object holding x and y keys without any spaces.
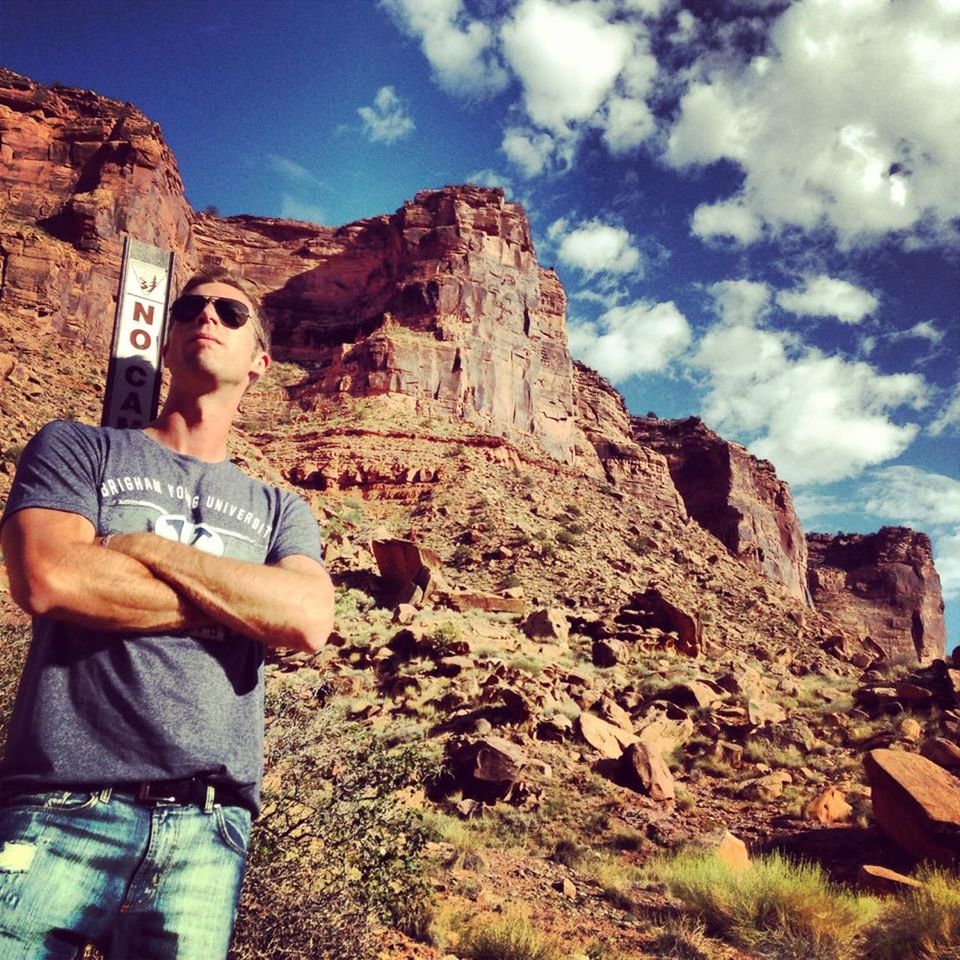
{"x":77,"y":171}
{"x":735,"y":496}
{"x":883,"y":586}
{"x":442,"y":302}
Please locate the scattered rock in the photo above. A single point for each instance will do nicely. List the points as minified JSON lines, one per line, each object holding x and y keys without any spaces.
{"x":766,"y":788}
{"x":944,"y":753}
{"x":549,"y":623}
{"x":608,"y":653}
{"x":880,"y":880}
{"x":829,"y":806}
{"x":607,"y":739}
{"x":406,"y":565}
{"x":915,"y":803}
{"x":647,"y":770}
{"x":733,"y":852}
{"x":489,"y":602}
{"x":487,"y":769}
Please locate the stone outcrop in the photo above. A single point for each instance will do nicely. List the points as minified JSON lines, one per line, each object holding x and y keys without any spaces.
{"x":77,"y":172}
{"x":882,"y":586}
{"x":442,"y":302}
{"x":735,"y":496}
{"x":916,"y":804}
{"x":606,"y":448}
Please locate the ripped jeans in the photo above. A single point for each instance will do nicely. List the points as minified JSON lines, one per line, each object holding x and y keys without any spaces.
{"x":139,"y":882}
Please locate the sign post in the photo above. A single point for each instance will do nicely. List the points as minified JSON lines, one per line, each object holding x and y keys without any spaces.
{"x":133,"y":377}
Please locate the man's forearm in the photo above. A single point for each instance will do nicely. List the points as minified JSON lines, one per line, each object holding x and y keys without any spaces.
{"x":103,"y":589}
{"x":279,"y":607}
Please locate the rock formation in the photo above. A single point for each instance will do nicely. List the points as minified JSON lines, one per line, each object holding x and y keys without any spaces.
{"x":882,"y":586}
{"x":442,"y":302}
{"x":735,"y":496}
{"x":77,"y":172}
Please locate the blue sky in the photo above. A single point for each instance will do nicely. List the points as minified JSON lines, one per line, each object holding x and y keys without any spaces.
{"x":753,"y":205}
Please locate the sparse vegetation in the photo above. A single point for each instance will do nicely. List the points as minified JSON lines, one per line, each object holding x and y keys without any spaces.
{"x":778,"y":908}
{"x":511,"y":937}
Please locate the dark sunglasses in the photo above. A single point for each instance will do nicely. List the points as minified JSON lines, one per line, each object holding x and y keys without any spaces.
{"x":232,"y":313}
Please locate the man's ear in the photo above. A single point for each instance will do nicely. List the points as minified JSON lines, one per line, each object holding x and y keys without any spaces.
{"x":258,"y":365}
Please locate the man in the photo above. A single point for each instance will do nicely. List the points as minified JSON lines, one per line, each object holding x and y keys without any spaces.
{"x":156,"y":573}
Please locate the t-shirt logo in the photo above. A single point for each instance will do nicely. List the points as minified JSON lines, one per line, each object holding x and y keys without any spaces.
{"x":176,"y":527}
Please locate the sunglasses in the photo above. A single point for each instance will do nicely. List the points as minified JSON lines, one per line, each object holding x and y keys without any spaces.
{"x":232,"y":313}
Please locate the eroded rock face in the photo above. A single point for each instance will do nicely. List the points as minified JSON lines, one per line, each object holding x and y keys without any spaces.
{"x":883,"y":586}
{"x":77,"y":171}
{"x":735,"y":496}
{"x":442,"y":302}
{"x":605,"y":446}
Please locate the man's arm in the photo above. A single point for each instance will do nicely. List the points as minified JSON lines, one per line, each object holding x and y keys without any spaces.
{"x":289,"y":604}
{"x":57,"y":568}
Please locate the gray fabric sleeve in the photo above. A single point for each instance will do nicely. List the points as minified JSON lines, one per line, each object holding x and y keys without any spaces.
{"x":296,"y":533}
{"x":59,"y":470}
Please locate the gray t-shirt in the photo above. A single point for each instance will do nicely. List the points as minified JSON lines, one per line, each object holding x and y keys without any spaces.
{"x":101,"y":708}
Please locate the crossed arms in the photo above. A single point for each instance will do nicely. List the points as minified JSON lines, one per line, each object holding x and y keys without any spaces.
{"x":143,"y":583}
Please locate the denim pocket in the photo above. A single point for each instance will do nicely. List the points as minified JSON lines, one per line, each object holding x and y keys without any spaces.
{"x":53,"y":800}
{"x":233,"y":825}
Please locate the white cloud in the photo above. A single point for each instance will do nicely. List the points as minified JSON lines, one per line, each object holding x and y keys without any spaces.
{"x":740,"y":302}
{"x":629,"y":123}
{"x":925,"y":330}
{"x":460,"y":50}
{"x":291,"y":170}
{"x":387,"y":120}
{"x":532,"y":152}
{"x":946,"y":558}
{"x":595,"y":247}
{"x":293,"y":208}
{"x":948,"y":420}
{"x":850,"y":122}
{"x":733,"y":219}
{"x":567,"y":57}
{"x":822,"y":296}
{"x":490,"y":178}
{"x":818,"y":418}
{"x":639,"y":338}
{"x":913,"y":497}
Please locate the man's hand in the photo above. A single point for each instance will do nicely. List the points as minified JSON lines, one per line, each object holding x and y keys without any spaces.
{"x":289,"y":604}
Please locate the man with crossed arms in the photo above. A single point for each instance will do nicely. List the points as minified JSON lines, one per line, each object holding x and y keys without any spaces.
{"x":156,"y":573}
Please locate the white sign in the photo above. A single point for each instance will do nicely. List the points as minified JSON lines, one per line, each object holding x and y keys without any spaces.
{"x":133,"y":378}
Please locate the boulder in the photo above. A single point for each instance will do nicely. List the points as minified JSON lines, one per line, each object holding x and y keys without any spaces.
{"x":608,"y":653}
{"x":606,"y":738}
{"x":406,"y":565}
{"x":829,"y":806}
{"x":487,"y":769}
{"x":916,"y":804}
{"x":647,"y":771}
{"x":549,"y":623}
{"x":945,"y":753}
{"x":733,"y":852}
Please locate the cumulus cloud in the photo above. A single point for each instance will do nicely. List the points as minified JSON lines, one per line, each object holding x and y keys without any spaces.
{"x":627,"y":340}
{"x":740,"y":302}
{"x":733,"y":220}
{"x":490,"y":178}
{"x":948,"y":420}
{"x":595,"y":247}
{"x":532,"y":152}
{"x":567,"y":57}
{"x":849,"y":122}
{"x":461,"y":50}
{"x":822,"y":296}
{"x":387,"y":119}
{"x":818,"y":418}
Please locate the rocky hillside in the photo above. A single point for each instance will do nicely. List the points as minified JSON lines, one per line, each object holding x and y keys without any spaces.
{"x":586,"y":611}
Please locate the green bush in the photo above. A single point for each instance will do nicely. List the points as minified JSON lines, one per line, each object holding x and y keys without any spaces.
{"x":336,"y":849}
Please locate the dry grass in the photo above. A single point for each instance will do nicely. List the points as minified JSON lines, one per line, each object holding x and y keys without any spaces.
{"x":782,"y":910}
{"x":510,"y":937}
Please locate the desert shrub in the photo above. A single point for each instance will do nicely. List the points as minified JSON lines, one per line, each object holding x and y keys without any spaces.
{"x":337,"y":848}
{"x":923,"y":925}
{"x":462,"y":556}
{"x":566,"y":538}
{"x":779,"y":909}
{"x":507,"y":938}
{"x":351,"y":602}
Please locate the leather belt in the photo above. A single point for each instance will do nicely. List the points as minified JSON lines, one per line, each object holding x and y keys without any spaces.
{"x":187,"y":790}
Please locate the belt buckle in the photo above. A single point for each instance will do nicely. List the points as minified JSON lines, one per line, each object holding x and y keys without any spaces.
{"x":144,"y":794}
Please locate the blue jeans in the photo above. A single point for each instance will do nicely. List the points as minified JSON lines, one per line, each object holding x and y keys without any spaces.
{"x":140,"y":882}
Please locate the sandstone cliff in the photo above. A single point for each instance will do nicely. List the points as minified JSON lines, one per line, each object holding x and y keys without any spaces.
{"x":442,"y":302}
{"x":735,"y":496}
{"x":881,"y":586}
{"x":77,"y":172}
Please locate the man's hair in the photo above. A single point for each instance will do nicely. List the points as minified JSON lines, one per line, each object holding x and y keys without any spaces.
{"x":261,"y":326}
